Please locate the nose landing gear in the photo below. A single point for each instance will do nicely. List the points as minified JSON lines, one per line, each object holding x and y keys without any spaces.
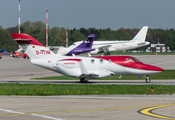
{"x":148,"y":80}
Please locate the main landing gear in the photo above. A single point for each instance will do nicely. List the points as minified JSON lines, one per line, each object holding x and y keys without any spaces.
{"x":84,"y":80}
{"x":148,"y":80}
{"x":106,"y":53}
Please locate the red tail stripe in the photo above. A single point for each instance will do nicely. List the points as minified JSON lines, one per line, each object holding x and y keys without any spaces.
{"x":22,"y":38}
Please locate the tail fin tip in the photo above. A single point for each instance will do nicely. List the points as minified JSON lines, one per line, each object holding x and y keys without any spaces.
{"x":22,"y":38}
{"x":141,"y":35}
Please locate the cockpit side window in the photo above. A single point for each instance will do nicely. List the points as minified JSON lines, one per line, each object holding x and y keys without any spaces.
{"x":137,"y":60}
{"x":130,"y":59}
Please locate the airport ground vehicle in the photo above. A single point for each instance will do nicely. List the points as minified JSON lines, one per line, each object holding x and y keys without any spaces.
{"x":16,"y":54}
{"x":25,"y":56}
{"x":0,"y":55}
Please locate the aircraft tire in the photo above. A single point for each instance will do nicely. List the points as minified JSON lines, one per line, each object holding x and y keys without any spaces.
{"x":148,"y":80}
{"x":82,"y":80}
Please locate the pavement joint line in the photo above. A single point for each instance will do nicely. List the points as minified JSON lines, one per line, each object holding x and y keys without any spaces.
{"x":148,"y":111}
{"x":71,"y":111}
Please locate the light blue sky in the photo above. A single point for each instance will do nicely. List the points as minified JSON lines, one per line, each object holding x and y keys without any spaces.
{"x":97,"y":14}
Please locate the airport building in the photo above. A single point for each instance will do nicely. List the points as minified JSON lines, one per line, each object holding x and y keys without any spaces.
{"x":158,"y":48}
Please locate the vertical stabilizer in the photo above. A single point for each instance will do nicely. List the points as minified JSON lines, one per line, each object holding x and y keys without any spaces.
{"x":33,"y":48}
{"x":141,"y":35}
{"x":88,"y":42}
{"x":85,"y":46}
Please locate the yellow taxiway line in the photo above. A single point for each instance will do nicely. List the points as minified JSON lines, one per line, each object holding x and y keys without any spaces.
{"x":148,"y":111}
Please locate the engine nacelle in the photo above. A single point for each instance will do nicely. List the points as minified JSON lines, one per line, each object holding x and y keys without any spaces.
{"x":69,"y":67}
{"x":95,"y":51}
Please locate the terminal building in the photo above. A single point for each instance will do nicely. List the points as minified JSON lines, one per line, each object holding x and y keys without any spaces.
{"x":158,"y":48}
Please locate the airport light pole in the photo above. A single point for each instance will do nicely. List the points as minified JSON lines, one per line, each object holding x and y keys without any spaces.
{"x":67,"y":36}
{"x":19,"y":17}
{"x":158,"y":40}
{"x":46,"y":27}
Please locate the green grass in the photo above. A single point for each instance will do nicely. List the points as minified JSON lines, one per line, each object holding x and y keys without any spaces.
{"x":75,"y":89}
{"x":167,"y":74}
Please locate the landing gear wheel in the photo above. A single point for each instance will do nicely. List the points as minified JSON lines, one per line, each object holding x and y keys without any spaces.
{"x":84,"y":80}
{"x":148,"y":80}
{"x":108,"y":53}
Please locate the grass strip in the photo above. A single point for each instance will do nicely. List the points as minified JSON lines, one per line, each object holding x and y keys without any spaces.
{"x":76,"y":89}
{"x":167,"y":74}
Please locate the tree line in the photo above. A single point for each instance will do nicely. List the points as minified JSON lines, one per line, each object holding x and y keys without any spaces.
{"x":57,"y":35}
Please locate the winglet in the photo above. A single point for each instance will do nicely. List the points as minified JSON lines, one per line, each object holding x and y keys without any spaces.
{"x":141,"y":35}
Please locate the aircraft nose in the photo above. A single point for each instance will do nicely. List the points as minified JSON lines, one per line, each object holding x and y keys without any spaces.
{"x":153,"y":68}
{"x":158,"y":69}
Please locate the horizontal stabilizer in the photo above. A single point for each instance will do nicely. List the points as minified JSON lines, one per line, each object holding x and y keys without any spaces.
{"x":22,"y":38}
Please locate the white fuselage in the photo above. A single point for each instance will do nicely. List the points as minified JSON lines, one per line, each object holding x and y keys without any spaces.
{"x":94,"y":67}
{"x":117,"y":45}
{"x":103,"y":46}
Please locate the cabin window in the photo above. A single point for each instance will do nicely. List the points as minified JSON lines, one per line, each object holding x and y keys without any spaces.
{"x":101,"y":61}
{"x":110,"y":61}
{"x":92,"y":61}
{"x":129,"y":59}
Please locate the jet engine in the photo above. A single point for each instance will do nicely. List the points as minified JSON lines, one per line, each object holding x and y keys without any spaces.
{"x":95,"y":51}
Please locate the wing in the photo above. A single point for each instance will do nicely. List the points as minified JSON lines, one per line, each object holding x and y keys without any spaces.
{"x":104,"y":48}
{"x":84,"y":72}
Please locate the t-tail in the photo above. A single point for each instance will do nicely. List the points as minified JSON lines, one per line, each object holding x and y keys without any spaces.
{"x":141,"y":35}
{"x":33,"y":48}
{"x":84,"y":46}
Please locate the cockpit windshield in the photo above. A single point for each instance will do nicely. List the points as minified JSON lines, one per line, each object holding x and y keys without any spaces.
{"x":137,"y":60}
{"x":130,"y":59}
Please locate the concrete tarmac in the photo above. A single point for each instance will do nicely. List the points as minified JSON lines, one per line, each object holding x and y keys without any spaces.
{"x":91,"y":107}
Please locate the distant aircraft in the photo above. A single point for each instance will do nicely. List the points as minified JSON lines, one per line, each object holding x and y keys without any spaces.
{"x":75,"y":49}
{"x":106,"y":46}
{"x":83,"y":67}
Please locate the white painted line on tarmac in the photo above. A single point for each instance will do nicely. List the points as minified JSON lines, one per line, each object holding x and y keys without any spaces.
{"x":43,"y":116}
{"x":10,"y":111}
{"x":48,"y":117}
{"x":163,"y":63}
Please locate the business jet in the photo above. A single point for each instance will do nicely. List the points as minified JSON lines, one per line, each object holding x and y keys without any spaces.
{"x":75,"y":49}
{"x":106,"y":46}
{"x":83,"y":67}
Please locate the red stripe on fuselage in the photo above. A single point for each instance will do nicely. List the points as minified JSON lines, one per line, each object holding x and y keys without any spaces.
{"x":122,"y":60}
{"x":77,"y":60}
